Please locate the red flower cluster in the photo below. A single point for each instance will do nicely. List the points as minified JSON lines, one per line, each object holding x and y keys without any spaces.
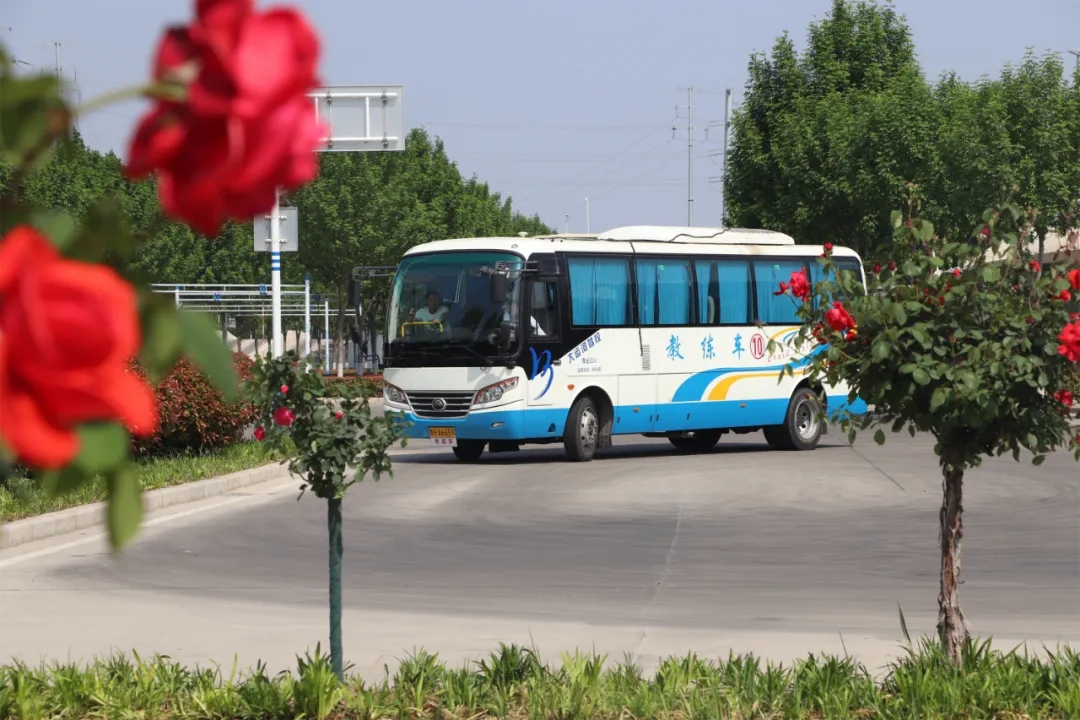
{"x":67,"y":332}
{"x":840,"y":320}
{"x":1065,"y":397}
{"x":799,"y":286}
{"x":1074,"y":278}
{"x":1070,"y":342}
{"x":246,"y":127}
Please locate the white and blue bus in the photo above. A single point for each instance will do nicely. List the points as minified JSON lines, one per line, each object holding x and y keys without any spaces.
{"x":499,"y":342}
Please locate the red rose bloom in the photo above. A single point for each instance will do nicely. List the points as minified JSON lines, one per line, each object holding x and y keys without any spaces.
{"x":877,"y":268}
{"x":247,"y":126}
{"x":892,"y":265}
{"x":956,"y":272}
{"x":67,"y":332}
{"x":284,"y":416}
{"x":1074,"y":278}
{"x":839,"y":318}
{"x":260,"y":433}
{"x":1065,"y":296}
{"x":1070,"y":342}
{"x":1035,"y":266}
{"x":1065,"y":397}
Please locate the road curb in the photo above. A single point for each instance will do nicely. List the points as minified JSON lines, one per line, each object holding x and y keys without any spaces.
{"x":63,"y":522}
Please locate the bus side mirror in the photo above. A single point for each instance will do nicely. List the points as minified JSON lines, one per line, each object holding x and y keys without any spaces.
{"x":498,"y":288}
{"x":504,"y":335}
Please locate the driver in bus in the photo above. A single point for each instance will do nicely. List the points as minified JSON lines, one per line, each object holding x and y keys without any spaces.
{"x":433,"y":312}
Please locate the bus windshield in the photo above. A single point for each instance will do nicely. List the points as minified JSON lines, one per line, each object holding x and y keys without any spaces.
{"x":445,"y":299}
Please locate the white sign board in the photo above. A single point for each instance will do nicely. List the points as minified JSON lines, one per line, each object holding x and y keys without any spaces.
{"x":289,"y":231}
{"x":361,"y":118}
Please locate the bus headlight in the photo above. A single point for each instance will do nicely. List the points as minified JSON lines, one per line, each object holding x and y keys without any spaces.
{"x":493,"y":393}
{"x":395,"y":395}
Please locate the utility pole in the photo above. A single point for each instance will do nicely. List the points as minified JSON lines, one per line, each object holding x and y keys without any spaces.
{"x":689,"y":153}
{"x":723,"y":181}
{"x":1076,"y":54}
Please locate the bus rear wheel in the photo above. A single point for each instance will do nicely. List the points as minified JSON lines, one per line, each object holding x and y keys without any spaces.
{"x":802,"y":428}
{"x":469,"y":450}
{"x":700,"y":441}
{"x":582,"y":432}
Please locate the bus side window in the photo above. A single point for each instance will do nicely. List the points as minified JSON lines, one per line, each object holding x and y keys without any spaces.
{"x":543,"y":310}
{"x":775,"y":309}
{"x":723,"y":288}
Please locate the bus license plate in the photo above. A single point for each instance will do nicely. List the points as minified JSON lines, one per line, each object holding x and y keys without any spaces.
{"x":443,"y":436}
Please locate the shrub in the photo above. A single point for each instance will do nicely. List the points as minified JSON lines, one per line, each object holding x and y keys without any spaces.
{"x":373,"y":384}
{"x":194,"y":415}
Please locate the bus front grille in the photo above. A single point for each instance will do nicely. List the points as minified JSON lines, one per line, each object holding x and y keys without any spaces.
{"x":436,"y":405}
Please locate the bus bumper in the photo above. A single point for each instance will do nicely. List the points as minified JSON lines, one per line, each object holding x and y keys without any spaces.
{"x":506,"y":422}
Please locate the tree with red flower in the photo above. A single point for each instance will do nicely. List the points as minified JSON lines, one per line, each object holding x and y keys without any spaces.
{"x":983,"y":369}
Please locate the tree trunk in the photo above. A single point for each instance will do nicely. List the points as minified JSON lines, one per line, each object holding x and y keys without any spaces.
{"x":951,"y":627}
{"x":340,"y":341}
{"x":333,"y":527}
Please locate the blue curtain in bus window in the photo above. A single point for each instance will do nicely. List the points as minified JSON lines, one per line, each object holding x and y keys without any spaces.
{"x":703,"y":271}
{"x":612,"y":291}
{"x":734,"y":276}
{"x":583,"y":299}
{"x":768,"y":274}
{"x":673,"y":280}
{"x":599,"y":289}
{"x":646,"y":288}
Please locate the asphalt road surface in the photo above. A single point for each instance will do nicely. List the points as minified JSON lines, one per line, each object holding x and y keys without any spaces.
{"x":645,"y":552}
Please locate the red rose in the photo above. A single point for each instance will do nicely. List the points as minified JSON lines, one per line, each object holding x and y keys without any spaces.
{"x":877,"y":268}
{"x":1065,"y":296}
{"x":985,"y":231}
{"x":783,"y":289}
{"x":67,"y":332}
{"x":1070,"y":342}
{"x":956,"y":272}
{"x":284,"y":416}
{"x":1035,"y":266}
{"x":284,"y":389}
{"x":839,"y":318}
{"x":851,"y":335}
{"x":1065,"y":397}
{"x":339,"y":414}
{"x":1074,"y":278}
{"x":892,"y":265}
{"x":247,"y":126}
{"x":259,"y":433}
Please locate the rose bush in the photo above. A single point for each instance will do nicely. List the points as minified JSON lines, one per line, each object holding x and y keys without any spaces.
{"x":976,"y":346}
{"x":230,"y":123}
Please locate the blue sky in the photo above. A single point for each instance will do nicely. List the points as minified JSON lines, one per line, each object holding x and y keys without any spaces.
{"x":550,"y":102}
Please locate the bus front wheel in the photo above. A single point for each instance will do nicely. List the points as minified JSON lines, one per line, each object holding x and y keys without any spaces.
{"x":582,"y":431}
{"x":802,"y":428}
{"x":469,"y":450}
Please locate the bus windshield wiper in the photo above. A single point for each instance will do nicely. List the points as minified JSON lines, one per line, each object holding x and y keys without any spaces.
{"x":466,"y":348}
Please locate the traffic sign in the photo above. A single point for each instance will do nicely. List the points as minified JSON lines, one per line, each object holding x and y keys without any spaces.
{"x":289,"y":231}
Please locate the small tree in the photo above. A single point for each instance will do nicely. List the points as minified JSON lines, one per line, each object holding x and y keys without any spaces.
{"x":331,"y":449}
{"x":977,"y":347}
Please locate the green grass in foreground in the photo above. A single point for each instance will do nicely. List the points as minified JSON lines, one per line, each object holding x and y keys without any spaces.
{"x":23,"y":497}
{"x":513,"y":683}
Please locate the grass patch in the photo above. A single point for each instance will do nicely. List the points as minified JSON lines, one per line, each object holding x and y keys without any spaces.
{"x":514,"y":683}
{"x":22,"y":497}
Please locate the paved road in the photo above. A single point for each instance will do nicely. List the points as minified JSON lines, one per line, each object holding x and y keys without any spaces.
{"x":645,"y":552}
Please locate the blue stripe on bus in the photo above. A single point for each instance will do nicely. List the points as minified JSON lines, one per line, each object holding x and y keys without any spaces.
{"x":520,"y":423}
{"x":694,"y":387}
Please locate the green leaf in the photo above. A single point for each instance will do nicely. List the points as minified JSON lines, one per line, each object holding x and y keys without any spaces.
{"x":881,"y":350}
{"x":204,"y":346}
{"x":60,"y":482}
{"x":920,"y":376}
{"x":29,"y":110}
{"x":991,"y":274}
{"x":102,"y":447}
{"x":879,"y":437}
{"x":162,"y":340}
{"x":898,"y":314}
{"x":124,"y":506}
{"x":937,"y":399}
{"x":61,"y":227}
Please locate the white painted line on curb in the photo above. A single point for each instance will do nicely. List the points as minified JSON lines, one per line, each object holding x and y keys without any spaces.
{"x":153,"y":522}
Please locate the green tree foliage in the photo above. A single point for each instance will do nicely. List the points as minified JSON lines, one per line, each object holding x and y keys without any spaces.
{"x":828,"y":140}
